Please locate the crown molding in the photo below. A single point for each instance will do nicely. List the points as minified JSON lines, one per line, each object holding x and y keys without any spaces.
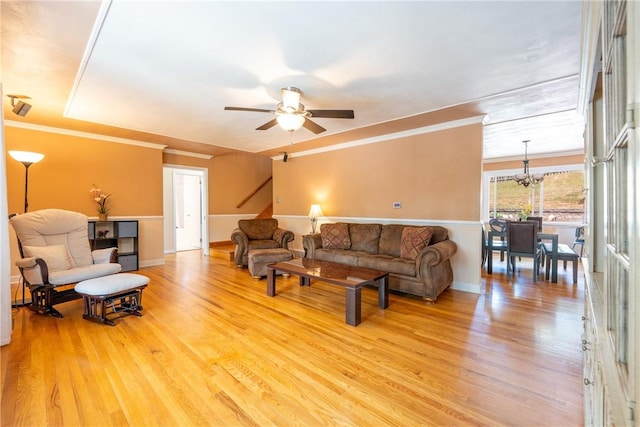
{"x":535,"y":156}
{"x":188,"y":154}
{"x":387,"y":137}
{"x":80,"y":134}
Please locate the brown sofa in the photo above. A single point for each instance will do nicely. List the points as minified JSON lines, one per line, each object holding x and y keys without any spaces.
{"x":258,"y":233}
{"x":413,"y":269}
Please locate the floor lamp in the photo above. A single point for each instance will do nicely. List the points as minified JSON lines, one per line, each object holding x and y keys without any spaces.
{"x":27,"y":158}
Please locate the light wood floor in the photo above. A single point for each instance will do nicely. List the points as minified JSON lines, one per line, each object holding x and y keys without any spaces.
{"x":213,"y":349}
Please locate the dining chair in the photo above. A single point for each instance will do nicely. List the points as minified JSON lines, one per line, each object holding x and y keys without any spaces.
{"x":579,"y":239}
{"x":537,"y":220}
{"x":499,"y":227}
{"x":522,"y":241}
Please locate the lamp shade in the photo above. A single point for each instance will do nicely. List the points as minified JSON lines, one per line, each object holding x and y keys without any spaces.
{"x":290,"y":122}
{"x":26,"y":156}
{"x":315,"y":211}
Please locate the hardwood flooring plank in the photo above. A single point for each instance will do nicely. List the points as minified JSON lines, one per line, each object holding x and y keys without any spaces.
{"x":213,"y":349}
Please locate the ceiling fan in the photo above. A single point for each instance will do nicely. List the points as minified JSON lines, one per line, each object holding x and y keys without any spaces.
{"x":291,"y":114}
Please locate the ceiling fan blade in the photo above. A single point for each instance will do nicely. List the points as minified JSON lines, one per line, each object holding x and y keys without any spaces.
{"x":255,"y":110}
{"x":313,"y":126}
{"x":333,"y":114}
{"x":268,"y":125}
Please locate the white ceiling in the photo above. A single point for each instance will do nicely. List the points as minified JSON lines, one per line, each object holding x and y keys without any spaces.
{"x":169,"y":68}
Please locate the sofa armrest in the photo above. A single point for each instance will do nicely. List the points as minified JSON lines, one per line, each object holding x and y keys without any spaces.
{"x":310,"y":243}
{"x":104,"y":256}
{"x":433,"y":268}
{"x":34,"y":270}
{"x":437,"y":253}
{"x":283,"y":237}
{"x":241,"y":240}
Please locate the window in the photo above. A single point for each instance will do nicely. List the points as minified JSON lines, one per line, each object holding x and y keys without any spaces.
{"x":618,"y":193}
{"x":560,"y":197}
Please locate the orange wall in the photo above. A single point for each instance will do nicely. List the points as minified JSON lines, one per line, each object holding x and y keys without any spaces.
{"x":132,"y":174}
{"x":232,"y":177}
{"x":434,"y":175}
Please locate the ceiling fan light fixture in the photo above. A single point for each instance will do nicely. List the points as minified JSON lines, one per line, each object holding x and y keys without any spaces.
{"x":290,"y":122}
{"x":291,"y":97}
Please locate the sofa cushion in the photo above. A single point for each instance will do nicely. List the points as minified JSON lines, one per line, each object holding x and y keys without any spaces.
{"x":365,"y":237}
{"x":262,"y":244}
{"x":342,"y":256}
{"x":86,"y":272}
{"x":258,"y":228}
{"x":390,"y":238}
{"x":57,"y":257}
{"x":335,"y":236}
{"x":389,"y":264}
{"x":413,"y":241}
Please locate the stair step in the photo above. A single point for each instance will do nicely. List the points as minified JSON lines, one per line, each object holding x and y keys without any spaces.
{"x":222,"y":250}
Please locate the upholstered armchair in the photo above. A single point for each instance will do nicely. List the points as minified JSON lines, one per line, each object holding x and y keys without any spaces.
{"x":55,"y":253}
{"x":258,"y":233}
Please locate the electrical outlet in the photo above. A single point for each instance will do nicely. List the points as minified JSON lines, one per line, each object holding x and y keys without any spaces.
{"x":397,"y":205}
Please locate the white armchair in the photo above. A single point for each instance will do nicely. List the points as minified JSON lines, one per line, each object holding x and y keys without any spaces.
{"x":55,"y":253}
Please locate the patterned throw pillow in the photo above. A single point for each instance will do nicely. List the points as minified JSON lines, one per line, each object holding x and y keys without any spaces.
{"x":335,"y":236}
{"x":414,"y":240}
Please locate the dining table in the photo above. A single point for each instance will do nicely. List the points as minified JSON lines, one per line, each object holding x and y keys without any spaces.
{"x":553,"y":237}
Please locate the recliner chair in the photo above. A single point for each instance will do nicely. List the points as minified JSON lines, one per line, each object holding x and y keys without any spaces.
{"x":55,"y":253}
{"x":258,"y":233}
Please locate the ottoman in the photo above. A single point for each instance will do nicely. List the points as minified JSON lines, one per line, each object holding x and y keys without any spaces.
{"x":260,"y":258}
{"x":118,"y":293}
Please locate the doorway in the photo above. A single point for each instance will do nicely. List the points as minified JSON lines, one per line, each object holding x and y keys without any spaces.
{"x":185,"y":212}
{"x":187,"y":207}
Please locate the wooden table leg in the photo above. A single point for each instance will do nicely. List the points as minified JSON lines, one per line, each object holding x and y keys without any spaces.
{"x":271,"y":282}
{"x":354,"y":297}
{"x":383,"y":292}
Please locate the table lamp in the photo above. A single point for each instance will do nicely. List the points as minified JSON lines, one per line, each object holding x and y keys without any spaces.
{"x":314,"y":213}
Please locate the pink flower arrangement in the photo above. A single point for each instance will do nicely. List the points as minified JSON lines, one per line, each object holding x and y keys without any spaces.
{"x":100,"y":198}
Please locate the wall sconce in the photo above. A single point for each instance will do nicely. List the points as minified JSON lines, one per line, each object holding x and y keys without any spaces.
{"x":27,"y":158}
{"x":20,"y":108}
{"x":314,"y":213}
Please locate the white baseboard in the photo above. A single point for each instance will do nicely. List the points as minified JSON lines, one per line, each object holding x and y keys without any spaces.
{"x":467,"y":287}
{"x":151,"y":262}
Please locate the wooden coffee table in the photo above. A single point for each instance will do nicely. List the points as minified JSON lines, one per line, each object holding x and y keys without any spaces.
{"x":351,"y":278}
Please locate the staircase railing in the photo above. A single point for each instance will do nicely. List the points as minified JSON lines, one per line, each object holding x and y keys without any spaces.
{"x":246,"y":199}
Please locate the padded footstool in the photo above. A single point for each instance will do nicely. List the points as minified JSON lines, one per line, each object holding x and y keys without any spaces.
{"x":260,"y":258}
{"x":121,"y":293}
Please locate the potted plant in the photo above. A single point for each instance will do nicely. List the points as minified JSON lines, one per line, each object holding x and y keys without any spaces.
{"x":101,"y":201}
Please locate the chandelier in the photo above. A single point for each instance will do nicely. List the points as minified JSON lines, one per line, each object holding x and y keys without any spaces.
{"x":525,"y":178}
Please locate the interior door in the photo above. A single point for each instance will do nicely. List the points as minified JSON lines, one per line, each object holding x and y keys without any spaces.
{"x":188,"y":205}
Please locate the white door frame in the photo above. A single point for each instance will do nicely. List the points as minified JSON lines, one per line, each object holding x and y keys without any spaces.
{"x":169,"y":214}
